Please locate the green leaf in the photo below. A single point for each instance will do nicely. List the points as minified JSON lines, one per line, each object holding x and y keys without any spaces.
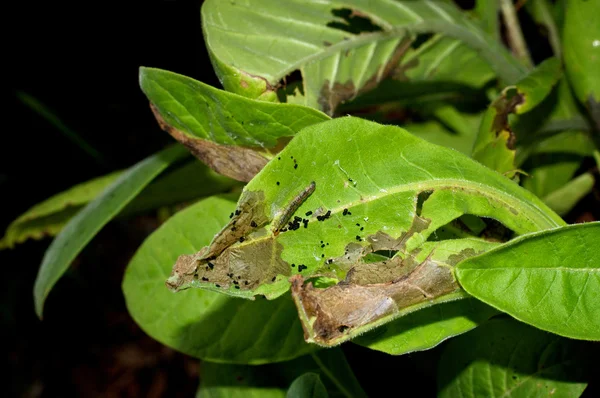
{"x":487,"y":11}
{"x":308,"y":385}
{"x":581,"y":38}
{"x":86,"y":224}
{"x":341,"y":48}
{"x":274,"y":379}
{"x":552,"y":154}
{"x":505,"y":358}
{"x":342,"y":193}
{"x":426,"y":328}
{"x":549,"y":279}
{"x":565,"y":198}
{"x":50,"y":216}
{"x":230,"y":133}
{"x":495,"y":144}
{"x":203,"y":324}
{"x":188,"y":182}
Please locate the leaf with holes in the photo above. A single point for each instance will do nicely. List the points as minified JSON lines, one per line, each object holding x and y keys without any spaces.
{"x":231,"y":134}
{"x":204,"y":324}
{"x":549,"y":279}
{"x":505,"y":358}
{"x":341,"y":48}
{"x":322,"y":209}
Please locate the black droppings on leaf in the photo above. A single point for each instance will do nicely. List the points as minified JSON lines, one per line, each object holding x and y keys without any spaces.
{"x":358,"y":238}
{"x":345,"y":212}
{"x":210,"y":265}
{"x":308,"y":213}
{"x":253,"y":224}
{"x":302,"y":267}
{"x":361,"y":228}
{"x":293,"y":265}
{"x":205,"y":279}
{"x":217,"y":285}
{"x":273,"y":280}
{"x":295,"y":166}
{"x":277,"y":182}
{"x":237,"y":287}
{"x":231,"y":215}
{"x":242,"y":239}
{"x":357,"y":224}
{"x":238,"y":212}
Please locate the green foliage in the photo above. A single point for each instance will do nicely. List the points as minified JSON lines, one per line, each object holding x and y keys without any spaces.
{"x":397,"y":235}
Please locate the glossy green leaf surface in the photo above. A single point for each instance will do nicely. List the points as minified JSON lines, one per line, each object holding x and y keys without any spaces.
{"x":49,"y":217}
{"x":204,"y":324}
{"x":581,"y":38}
{"x":204,"y":112}
{"x":86,"y":224}
{"x":426,"y":328}
{"x":342,"y":48}
{"x":506,"y":358}
{"x":341,"y":196}
{"x":549,"y":279}
{"x":309,"y":385}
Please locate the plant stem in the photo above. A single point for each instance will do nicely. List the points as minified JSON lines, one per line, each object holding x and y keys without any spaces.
{"x":514,"y":33}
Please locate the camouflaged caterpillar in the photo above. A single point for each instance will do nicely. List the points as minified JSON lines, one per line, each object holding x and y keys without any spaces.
{"x":293,"y":206}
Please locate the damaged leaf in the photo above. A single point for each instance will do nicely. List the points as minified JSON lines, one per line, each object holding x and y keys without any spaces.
{"x":232,"y":134}
{"x":358,"y":177}
{"x":341,"y":48}
{"x":496,"y":142}
{"x":203,"y":324}
{"x":549,"y":279}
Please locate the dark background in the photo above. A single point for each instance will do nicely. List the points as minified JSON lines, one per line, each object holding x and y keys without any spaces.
{"x":81,"y":60}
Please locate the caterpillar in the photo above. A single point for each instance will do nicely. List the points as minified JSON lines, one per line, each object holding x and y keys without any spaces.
{"x":293,"y":206}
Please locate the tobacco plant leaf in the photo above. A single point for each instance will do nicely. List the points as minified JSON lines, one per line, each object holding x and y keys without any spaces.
{"x":549,"y":279}
{"x":204,"y":324}
{"x":192,"y":180}
{"x":341,"y":48}
{"x":496,"y":142}
{"x":426,"y":328}
{"x":86,"y":224}
{"x":506,"y":358}
{"x":581,"y":38}
{"x":230,"y":133}
{"x":323,"y":205}
{"x":309,"y":385}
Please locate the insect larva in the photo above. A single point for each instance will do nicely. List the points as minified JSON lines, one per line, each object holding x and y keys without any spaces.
{"x":293,"y":206}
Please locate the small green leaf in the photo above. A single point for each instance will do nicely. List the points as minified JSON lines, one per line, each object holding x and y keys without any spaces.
{"x":496,"y":142}
{"x":86,"y":224}
{"x":239,"y":381}
{"x":505,"y":358}
{"x":565,"y":198}
{"x":426,"y":328}
{"x":204,"y":324}
{"x":549,"y":279}
{"x":309,"y":385}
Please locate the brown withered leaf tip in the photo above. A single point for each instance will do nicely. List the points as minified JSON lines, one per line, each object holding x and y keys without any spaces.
{"x":237,"y":162}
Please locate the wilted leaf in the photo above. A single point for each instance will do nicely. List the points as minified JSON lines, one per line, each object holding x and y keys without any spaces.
{"x":230,"y":133}
{"x":549,"y":279}
{"x":505,"y":358}
{"x":320,"y":213}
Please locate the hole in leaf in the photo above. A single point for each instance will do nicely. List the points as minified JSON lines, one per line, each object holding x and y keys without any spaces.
{"x":473,"y":226}
{"x":290,"y":85}
{"x":423,"y":196}
{"x":355,"y":22}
